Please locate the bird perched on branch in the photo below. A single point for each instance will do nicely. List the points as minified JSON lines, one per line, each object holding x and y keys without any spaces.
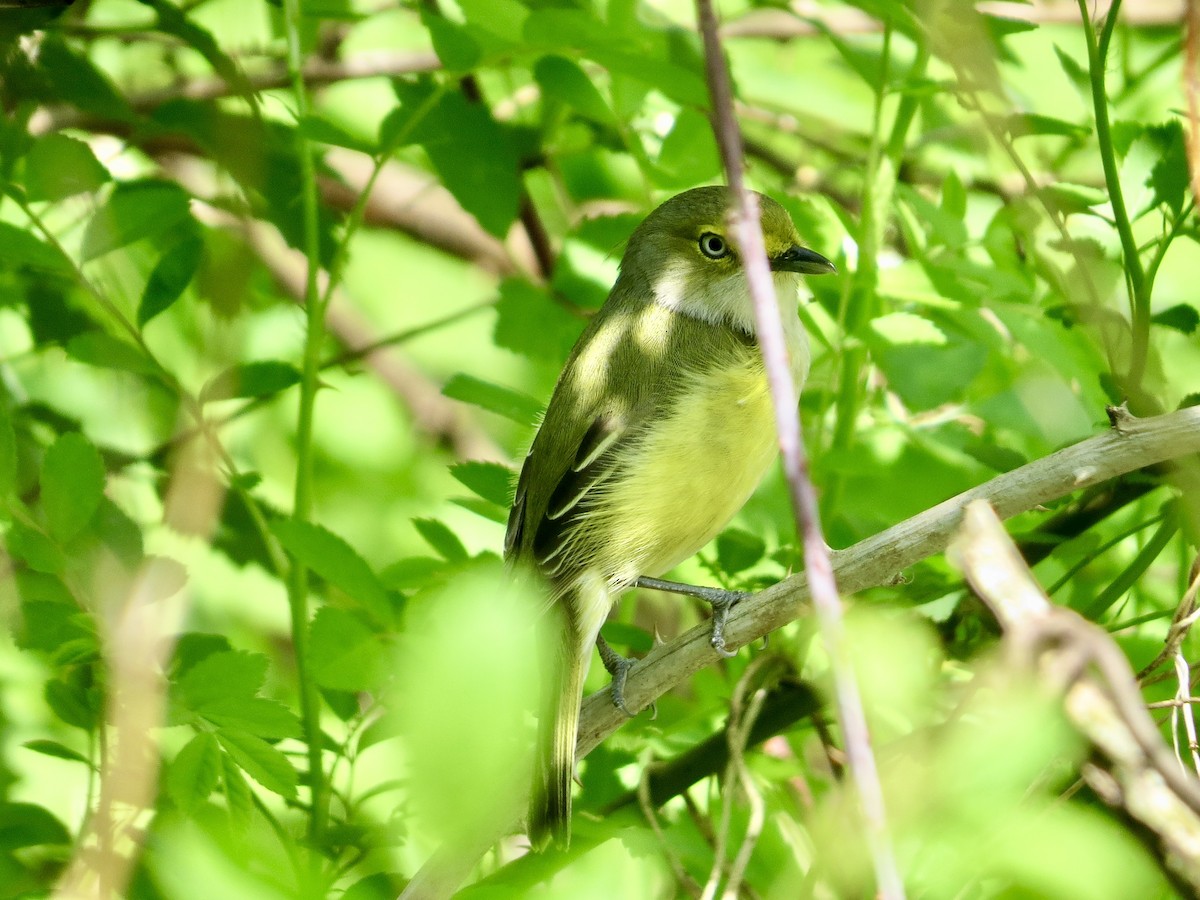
{"x":659,"y":429}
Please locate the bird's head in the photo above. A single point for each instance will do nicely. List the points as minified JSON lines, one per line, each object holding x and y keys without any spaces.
{"x":684,"y":253}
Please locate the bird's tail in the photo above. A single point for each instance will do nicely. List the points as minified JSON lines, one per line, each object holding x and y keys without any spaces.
{"x":558,"y":726}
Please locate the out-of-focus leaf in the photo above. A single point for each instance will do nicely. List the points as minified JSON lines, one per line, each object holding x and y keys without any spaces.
{"x":72,"y":485}
{"x":237,"y":792}
{"x":72,"y":704}
{"x":337,"y":562}
{"x":135,"y":210}
{"x":1181,"y":317}
{"x":29,"y":825}
{"x":37,"y":550}
{"x":56,"y":750}
{"x":689,"y":151}
{"x":346,"y":654}
{"x":1023,"y":124}
{"x":322,"y":130}
{"x":58,"y":166}
{"x":100,"y":349}
{"x":19,"y":248}
{"x":74,"y":80}
{"x":480,"y":507}
{"x":453,"y":44}
{"x":260,"y":716}
{"x":8,"y":454}
{"x":1169,"y":175}
{"x":493,"y":397}
{"x":738,"y":550}
{"x":220,"y":676}
{"x":439,"y":536}
{"x":256,"y":379}
{"x":907,"y":328}
{"x":170,"y":276}
{"x":561,"y":79}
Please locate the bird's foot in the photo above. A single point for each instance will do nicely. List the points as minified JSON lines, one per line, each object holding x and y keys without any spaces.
{"x":618,"y":667}
{"x":721,"y":601}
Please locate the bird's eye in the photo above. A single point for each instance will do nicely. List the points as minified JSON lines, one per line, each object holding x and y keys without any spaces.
{"x":713,"y":245}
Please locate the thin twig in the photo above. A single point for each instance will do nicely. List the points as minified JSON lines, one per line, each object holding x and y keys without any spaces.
{"x":817,"y":564}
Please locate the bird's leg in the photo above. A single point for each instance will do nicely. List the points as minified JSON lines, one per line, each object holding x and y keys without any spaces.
{"x":618,"y":667}
{"x":721,"y":601}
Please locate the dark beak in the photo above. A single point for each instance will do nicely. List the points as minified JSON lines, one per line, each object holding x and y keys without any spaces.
{"x":802,"y":260}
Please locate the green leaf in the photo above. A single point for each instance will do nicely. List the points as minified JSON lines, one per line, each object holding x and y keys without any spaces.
{"x":237,"y":792}
{"x":38,"y":551}
{"x":1181,"y":317}
{"x":256,"y":379}
{"x":57,"y":750}
{"x":344,"y":652}
{"x":453,"y":44}
{"x":337,"y":562}
{"x":1076,"y":72}
{"x":487,"y":185}
{"x":135,"y":210}
{"x":259,"y":716}
{"x":171,"y":275}
{"x":219,"y":676}
{"x":1023,"y":124}
{"x":100,"y":349}
{"x":20,"y":249}
{"x":193,"y":774}
{"x":563,"y":80}
{"x":489,"y":511}
{"x":77,"y":82}
{"x":323,"y":131}
{"x":493,"y":397}
{"x":631,"y":636}
{"x":528,"y":322}
{"x":72,"y":704}
{"x":262,"y":762}
{"x":491,"y":481}
{"x":412,"y":572}
{"x":689,"y":151}
{"x":441,"y":539}
{"x":29,"y":825}
{"x":907,"y":328}
{"x":1169,"y":175}
{"x":8,"y":455}
{"x":58,"y":166}
{"x":738,"y":550}
{"x":72,"y":485}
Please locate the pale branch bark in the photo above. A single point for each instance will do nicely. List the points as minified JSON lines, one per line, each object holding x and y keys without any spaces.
{"x":748,"y":237}
{"x":1132,"y":769}
{"x":1130,"y":445}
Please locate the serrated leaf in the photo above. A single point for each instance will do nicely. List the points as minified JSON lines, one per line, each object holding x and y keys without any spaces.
{"x":1169,"y":174}
{"x":412,"y":572}
{"x":1181,"y":317}
{"x":220,"y":676}
{"x":345,"y":654}
{"x":337,"y":562}
{"x":58,"y":166}
{"x":503,"y":401}
{"x":237,"y":792}
{"x":72,"y":704}
{"x":56,"y":750}
{"x":259,"y":716}
{"x":480,"y":507}
{"x":29,"y":825}
{"x":135,"y":210}
{"x":255,"y":379}
{"x":439,"y":536}
{"x":193,"y":774}
{"x":72,"y":485}
{"x":490,"y":480}
{"x":97,"y":348}
{"x":262,"y":762}
{"x":170,"y":276}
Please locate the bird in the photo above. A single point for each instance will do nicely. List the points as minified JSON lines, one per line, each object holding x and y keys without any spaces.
{"x":658,"y":430}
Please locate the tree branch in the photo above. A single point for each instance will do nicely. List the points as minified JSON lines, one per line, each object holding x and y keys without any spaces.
{"x":1129,"y":445}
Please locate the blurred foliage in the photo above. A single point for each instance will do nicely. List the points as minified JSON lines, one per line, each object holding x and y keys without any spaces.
{"x":1008,"y":202}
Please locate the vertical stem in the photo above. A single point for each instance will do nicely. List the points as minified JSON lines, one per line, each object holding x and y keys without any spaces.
{"x":828,"y":607}
{"x":1139,"y":296}
{"x":302,"y":510}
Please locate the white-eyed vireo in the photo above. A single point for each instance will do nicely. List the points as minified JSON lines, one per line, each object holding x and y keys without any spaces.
{"x":659,"y":429}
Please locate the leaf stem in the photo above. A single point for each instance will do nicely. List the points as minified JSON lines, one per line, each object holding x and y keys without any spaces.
{"x":1139,"y":295}
{"x":314,"y":307}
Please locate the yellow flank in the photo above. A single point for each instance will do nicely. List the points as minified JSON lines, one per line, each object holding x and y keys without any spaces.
{"x":690,"y":474}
